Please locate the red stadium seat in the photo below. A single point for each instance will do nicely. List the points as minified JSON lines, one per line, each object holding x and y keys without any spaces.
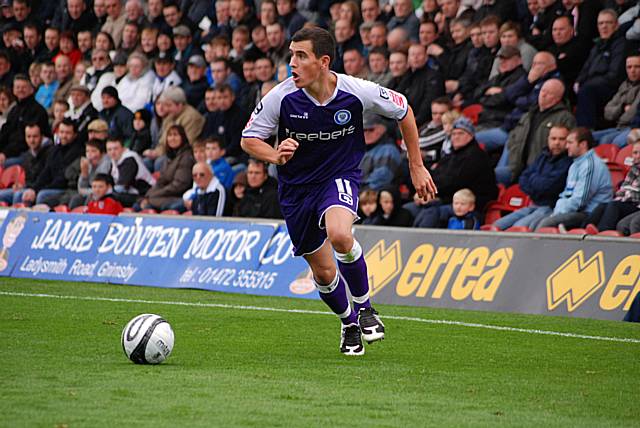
{"x":3,"y":204}
{"x":170,"y":212}
{"x":490,"y":228}
{"x":149,"y":211}
{"x":61,"y":209}
{"x":610,"y":233}
{"x":11,"y":175}
{"x":19,"y":205}
{"x":623,"y":158}
{"x":512,"y":199}
{"x":607,"y":152}
{"x":635,"y":235}
{"x":187,"y":213}
{"x":550,"y":230}
{"x":577,"y":231}
{"x":128,"y":210}
{"x":472,"y":112}
{"x":524,"y":229}
{"x":80,"y":210}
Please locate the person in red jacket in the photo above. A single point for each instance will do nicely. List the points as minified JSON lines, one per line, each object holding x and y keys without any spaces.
{"x":101,"y":201}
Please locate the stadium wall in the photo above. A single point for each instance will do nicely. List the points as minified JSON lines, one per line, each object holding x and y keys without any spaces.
{"x":569,"y":275}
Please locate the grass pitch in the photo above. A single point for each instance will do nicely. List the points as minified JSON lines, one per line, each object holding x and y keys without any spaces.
{"x":61,"y":364}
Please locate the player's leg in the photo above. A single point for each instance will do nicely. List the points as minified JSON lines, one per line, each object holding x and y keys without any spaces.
{"x":333,"y":292}
{"x":352,"y":265}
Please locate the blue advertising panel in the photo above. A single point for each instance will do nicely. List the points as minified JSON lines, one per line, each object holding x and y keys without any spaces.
{"x":51,"y":245}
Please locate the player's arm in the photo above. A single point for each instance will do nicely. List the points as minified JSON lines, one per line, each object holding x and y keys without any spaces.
{"x":422,"y":181}
{"x":260,"y":150}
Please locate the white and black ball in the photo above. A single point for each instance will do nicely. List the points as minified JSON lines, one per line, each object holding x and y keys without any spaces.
{"x":147,"y":339}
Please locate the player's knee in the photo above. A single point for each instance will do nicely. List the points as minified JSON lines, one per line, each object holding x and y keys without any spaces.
{"x":341,"y":240}
{"x":324,"y":274}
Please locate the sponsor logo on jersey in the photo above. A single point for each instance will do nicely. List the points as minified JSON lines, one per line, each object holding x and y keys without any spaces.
{"x":258,"y":108}
{"x":342,"y":117}
{"x":304,"y":115}
{"x":384,"y":94}
{"x":320,"y":135}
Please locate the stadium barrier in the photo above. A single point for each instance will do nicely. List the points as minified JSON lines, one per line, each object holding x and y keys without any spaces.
{"x":567,"y":275}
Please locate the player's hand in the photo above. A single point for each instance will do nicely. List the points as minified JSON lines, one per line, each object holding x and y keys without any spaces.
{"x":423,"y":183}
{"x":286,"y":149}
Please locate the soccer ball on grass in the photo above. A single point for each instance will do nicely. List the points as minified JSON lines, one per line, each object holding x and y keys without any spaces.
{"x":147,"y":339}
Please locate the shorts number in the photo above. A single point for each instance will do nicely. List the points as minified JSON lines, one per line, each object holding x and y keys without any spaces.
{"x":345,"y":193}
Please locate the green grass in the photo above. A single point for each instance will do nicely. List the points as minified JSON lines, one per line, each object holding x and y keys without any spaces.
{"x":61,"y":363}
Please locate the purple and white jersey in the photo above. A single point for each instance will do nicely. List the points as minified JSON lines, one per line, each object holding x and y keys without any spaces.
{"x":330,"y":135}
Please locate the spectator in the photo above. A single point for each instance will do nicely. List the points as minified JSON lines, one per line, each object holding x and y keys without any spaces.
{"x":530,"y":135}
{"x":94,"y":162}
{"x":289,"y":17}
{"x":81,"y":111}
{"x":354,"y":64}
{"x":346,"y":38}
{"x":431,"y":136}
{"x":180,"y":113}
{"x":115,"y":114}
{"x":543,"y":181}
{"x":166,"y":75}
{"x":588,"y":183}
{"x":490,"y":30}
{"x":85,"y":44}
{"x":175,"y":176}
{"x":7,"y":103}
{"x":116,"y":18}
{"x":381,"y":162}
{"x":601,"y":73}
{"x":60,"y":108}
{"x":570,"y":54}
{"x":63,"y":76}
{"x":208,"y":196}
{"x":367,"y":206}
{"x":141,"y":138}
{"x":371,"y":12}
{"x":149,"y":42}
{"x":237,"y":191}
{"x":220,"y":72}
{"x":421,"y":85}
{"x":51,"y":183}
{"x":259,"y":43}
{"x":467,"y":166}
{"x":132,"y":179}
{"x":52,"y":43}
{"x":464,"y":217}
{"x":130,"y":38}
{"x":101,"y":198}
{"x":35,"y":50}
{"x":623,"y":107}
{"x":33,"y":162}
{"x":136,"y":87}
{"x":523,"y":94}
{"x":626,"y":200}
{"x":196,"y":83}
{"x":98,"y":129}
{"x":183,"y":40}
{"x":390,"y":211}
{"x":27,"y":109}
{"x":378,"y":35}
{"x":260,"y":198}
{"x":68,"y":48}
{"x":379,"y":66}
{"x":455,"y":60}
{"x":404,"y":18}
{"x":227,"y":123}
{"x":98,"y":76}
{"x":491,"y":94}
{"x":215,"y":153}
{"x":46,"y":91}
{"x":75,"y":17}
{"x":510,"y":36}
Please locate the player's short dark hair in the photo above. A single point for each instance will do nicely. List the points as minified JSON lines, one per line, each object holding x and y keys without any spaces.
{"x":105,"y":178}
{"x":98,"y":144}
{"x":584,"y":134}
{"x":322,"y":41}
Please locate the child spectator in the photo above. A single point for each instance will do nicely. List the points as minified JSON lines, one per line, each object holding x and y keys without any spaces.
{"x":49,"y":86}
{"x":237,"y":192}
{"x":221,"y":168}
{"x":448,"y":119}
{"x":141,"y":138}
{"x":60,"y":107}
{"x":199,"y":151}
{"x":367,"y":206}
{"x":101,"y":201}
{"x":464,"y":205}
{"x":390,"y":211}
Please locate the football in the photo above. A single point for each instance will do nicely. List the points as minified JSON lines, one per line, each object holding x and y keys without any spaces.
{"x":147,"y":339}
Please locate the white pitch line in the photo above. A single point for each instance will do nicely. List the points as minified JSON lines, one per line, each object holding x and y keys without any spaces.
{"x":309,"y":312}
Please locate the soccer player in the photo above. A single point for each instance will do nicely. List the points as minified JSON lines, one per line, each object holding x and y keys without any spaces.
{"x":318,"y":114}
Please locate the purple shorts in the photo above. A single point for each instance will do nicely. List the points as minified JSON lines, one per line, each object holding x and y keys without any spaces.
{"x":304,"y":206}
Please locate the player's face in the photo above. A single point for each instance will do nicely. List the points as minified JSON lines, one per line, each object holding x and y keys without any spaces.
{"x":305,"y":66}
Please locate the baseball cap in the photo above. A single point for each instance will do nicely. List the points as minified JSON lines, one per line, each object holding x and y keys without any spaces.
{"x":98,"y":125}
{"x":182,"y":30}
{"x":464,"y":124}
{"x":508,"y":52}
{"x":198,"y":61}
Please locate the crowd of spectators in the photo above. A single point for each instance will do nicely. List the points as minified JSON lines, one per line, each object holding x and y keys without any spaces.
{"x":140,"y":106}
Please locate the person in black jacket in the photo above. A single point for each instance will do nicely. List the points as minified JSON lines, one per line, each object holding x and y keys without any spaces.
{"x":602,"y":73}
{"x":196,"y":82}
{"x":27,"y":109}
{"x":119,"y":118}
{"x":467,"y":166}
{"x":141,"y":138}
{"x":260,"y":198}
{"x":389,"y":210}
{"x":51,"y":182}
{"x":33,"y":161}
